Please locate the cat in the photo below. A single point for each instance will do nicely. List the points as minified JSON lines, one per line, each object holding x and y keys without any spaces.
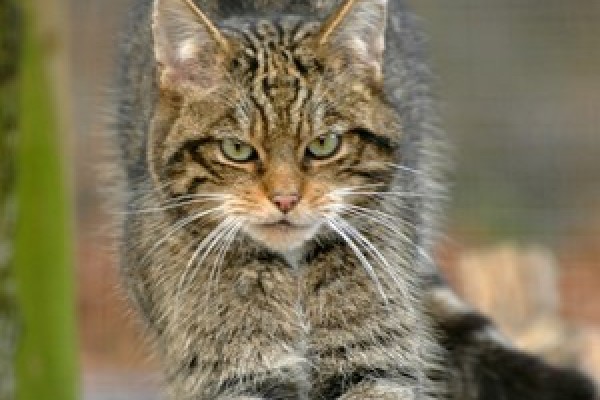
{"x":283,"y":171}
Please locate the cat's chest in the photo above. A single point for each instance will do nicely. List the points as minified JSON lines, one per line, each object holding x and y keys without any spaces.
{"x":319,"y":298}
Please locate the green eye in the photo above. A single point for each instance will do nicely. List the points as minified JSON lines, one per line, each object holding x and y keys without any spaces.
{"x":324,"y":146}
{"x":237,"y":151}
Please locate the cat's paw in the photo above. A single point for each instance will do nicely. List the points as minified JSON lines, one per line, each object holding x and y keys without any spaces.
{"x":381,"y":390}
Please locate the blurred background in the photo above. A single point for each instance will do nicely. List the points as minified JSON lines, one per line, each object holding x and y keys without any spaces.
{"x":519,"y":89}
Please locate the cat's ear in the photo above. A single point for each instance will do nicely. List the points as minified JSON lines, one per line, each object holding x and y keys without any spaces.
{"x":188,"y":47}
{"x":358,"y":26}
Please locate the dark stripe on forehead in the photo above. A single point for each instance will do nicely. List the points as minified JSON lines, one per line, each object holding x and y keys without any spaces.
{"x":292,"y":109}
{"x":251,"y":39}
{"x":267,"y":30}
{"x":304,"y":31}
{"x":289,"y":28}
{"x":280,"y":32}
{"x":277,"y":70}
{"x":261,"y":111}
{"x":300,"y":66}
{"x":257,"y":37}
{"x":293,"y":32}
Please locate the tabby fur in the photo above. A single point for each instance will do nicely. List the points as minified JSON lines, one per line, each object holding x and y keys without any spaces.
{"x":241,"y":306}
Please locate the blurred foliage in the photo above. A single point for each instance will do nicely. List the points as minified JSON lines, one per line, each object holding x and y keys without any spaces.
{"x":10,"y":32}
{"x":46,"y":366}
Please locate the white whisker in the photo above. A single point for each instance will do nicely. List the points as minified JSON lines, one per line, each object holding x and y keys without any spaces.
{"x":333,"y":224}
{"x":380,"y":217}
{"x":170,"y":206}
{"x":405,"y":168}
{"x":227,"y":241}
{"x":180,"y":225}
{"x":375,"y":253}
{"x":359,"y":187}
{"x":207,"y":245}
{"x":398,"y":194}
{"x":383,"y":219}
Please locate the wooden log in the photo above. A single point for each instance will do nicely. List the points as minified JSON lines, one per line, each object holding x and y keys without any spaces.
{"x":518,"y":288}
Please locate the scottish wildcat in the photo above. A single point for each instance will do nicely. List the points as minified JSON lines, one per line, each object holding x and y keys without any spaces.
{"x":282,"y":169}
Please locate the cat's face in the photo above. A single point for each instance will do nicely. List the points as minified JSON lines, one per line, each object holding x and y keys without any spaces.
{"x":277,"y":134}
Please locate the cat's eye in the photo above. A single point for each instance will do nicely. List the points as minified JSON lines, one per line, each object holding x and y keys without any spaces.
{"x":324,"y":146}
{"x":237,"y":151}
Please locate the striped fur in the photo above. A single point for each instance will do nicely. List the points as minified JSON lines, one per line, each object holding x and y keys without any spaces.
{"x":238,"y":306}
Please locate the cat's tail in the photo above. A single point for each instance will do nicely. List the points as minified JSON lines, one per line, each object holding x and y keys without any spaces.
{"x":485,"y":366}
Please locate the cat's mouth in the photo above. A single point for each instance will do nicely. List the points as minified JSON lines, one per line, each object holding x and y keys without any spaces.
{"x":281,"y":224}
{"x":284,"y":225}
{"x":282,"y":235}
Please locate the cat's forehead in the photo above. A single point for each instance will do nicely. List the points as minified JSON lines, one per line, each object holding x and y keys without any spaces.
{"x":271,"y":34}
{"x":280,"y":86}
{"x":276,"y":53}
{"x":277,"y":69}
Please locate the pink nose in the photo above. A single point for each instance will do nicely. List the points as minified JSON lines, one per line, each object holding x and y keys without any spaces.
{"x":287,"y":202}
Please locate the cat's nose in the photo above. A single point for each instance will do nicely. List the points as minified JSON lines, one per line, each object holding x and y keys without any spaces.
{"x":286,"y":202}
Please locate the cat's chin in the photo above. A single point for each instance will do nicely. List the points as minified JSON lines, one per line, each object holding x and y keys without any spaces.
{"x":281,"y":237}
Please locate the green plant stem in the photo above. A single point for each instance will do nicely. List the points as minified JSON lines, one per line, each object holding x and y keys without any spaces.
{"x":46,"y":367}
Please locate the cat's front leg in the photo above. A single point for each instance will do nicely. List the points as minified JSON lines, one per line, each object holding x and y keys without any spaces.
{"x":364,"y":347}
{"x":380,"y":390}
{"x":242,"y":342}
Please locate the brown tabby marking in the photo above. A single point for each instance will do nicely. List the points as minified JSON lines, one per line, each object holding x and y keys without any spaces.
{"x":283,"y":274}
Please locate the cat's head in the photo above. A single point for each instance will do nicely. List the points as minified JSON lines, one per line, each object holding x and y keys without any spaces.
{"x":274,"y":127}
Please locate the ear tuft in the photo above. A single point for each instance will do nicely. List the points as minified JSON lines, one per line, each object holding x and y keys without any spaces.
{"x":187,"y":46}
{"x":358,"y":26}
